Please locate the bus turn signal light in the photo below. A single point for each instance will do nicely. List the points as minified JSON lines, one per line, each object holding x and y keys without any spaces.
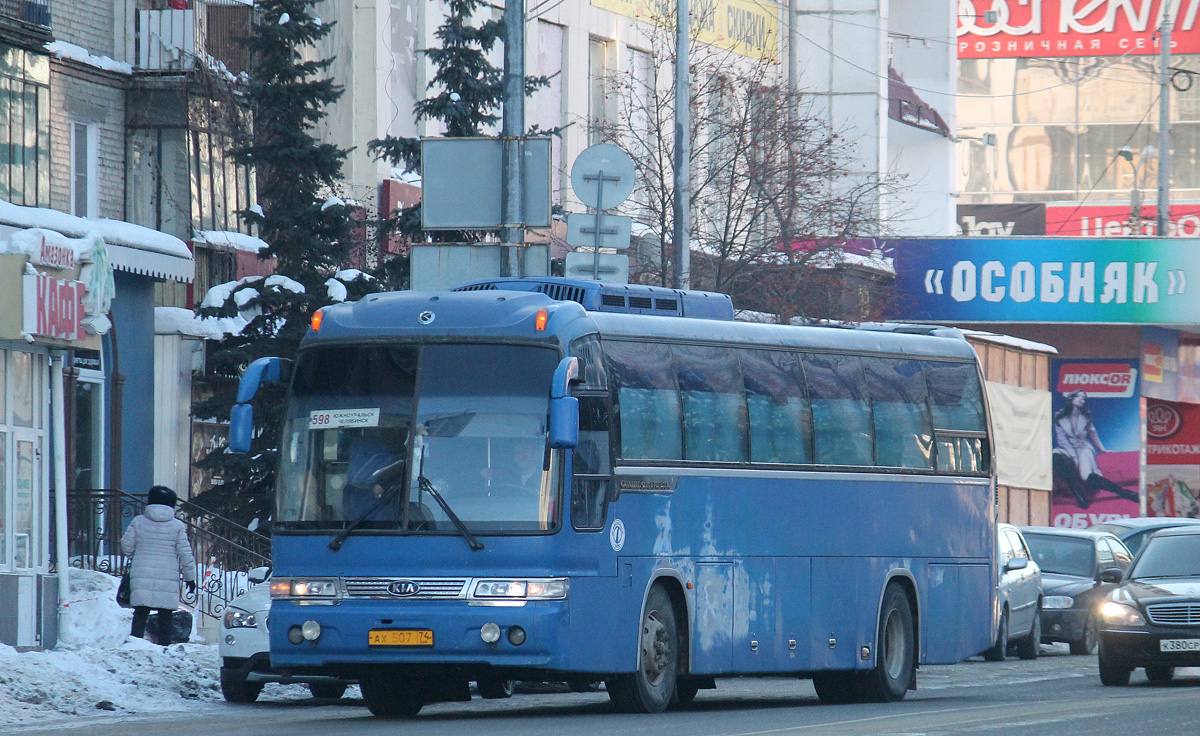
{"x":316,"y":319}
{"x":540,"y":323}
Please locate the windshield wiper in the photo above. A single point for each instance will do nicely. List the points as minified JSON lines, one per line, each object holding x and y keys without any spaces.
{"x":427,"y":487}
{"x":378,"y":477}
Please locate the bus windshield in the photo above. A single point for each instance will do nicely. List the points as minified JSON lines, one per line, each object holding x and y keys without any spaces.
{"x":364,"y":423}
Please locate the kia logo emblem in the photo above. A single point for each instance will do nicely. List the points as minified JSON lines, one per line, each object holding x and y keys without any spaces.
{"x":402,"y":588}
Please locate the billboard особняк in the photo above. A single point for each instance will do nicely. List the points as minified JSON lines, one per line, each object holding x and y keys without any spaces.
{"x":1096,"y":429}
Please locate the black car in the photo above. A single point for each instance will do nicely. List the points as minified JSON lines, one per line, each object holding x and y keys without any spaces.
{"x":1134,"y":531}
{"x":1152,"y":619}
{"x":1072,"y":561}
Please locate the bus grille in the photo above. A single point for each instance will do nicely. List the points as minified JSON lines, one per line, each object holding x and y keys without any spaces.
{"x":430,"y":588}
{"x":1175,"y":614}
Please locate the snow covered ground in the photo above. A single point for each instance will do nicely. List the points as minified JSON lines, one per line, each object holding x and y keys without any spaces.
{"x":99,"y":669}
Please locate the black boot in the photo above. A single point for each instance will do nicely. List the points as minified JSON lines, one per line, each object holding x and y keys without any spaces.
{"x":1081,"y":499}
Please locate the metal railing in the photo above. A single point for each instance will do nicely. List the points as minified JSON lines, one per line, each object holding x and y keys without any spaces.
{"x":31,"y":12}
{"x":224,"y":549}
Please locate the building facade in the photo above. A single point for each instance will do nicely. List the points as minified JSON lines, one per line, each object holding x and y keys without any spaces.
{"x":111,"y":168}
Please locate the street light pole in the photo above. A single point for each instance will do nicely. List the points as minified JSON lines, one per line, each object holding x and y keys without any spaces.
{"x":1164,"y":124}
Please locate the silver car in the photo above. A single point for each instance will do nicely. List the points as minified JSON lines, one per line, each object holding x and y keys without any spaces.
{"x":246,"y":651}
{"x":1017,"y":616}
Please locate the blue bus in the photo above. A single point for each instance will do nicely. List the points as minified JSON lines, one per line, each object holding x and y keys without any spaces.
{"x":573,"y":481}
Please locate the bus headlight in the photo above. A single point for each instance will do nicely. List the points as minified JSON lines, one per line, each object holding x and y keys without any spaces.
{"x":304,"y":588}
{"x":524,"y":590}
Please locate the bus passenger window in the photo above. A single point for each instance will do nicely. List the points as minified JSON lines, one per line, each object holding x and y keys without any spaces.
{"x":903,"y":430}
{"x":777,"y":399}
{"x":841,"y":409}
{"x":714,"y":404}
{"x":959,"y":422}
{"x":647,"y":400}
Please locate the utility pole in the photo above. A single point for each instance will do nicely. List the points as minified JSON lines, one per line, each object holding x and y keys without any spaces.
{"x":512,"y":233}
{"x":683,"y":153}
{"x":1164,"y":123}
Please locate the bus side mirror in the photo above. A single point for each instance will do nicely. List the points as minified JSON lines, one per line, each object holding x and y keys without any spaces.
{"x":241,"y":427}
{"x":263,"y":369}
{"x":564,"y":422}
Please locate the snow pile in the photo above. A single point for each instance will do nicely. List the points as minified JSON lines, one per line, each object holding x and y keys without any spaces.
{"x":64,"y":50}
{"x":336,"y":290}
{"x":283,"y":282}
{"x":219,"y":294}
{"x":180,"y":321}
{"x":97,"y":667}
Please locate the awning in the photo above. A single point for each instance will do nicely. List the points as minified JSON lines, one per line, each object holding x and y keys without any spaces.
{"x":906,"y":106}
{"x":131,"y":248}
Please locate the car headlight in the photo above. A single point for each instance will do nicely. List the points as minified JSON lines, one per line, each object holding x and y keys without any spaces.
{"x":1121,"y":614}
{"x":525,"y":590}
{"x":1058,"y":601}
{"x":303,"y":588}
{"x":236,"y":618}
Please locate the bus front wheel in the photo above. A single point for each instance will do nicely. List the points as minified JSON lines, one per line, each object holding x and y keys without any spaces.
{"x":389,"y":695}
{"x":895,"y":647}
{"x":651,"y":688}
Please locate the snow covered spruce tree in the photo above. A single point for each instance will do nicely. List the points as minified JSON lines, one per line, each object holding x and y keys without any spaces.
{"x":307,"y":229}
{"x":469,"y":91}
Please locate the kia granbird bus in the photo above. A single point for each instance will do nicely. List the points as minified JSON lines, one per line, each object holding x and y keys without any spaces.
{"x":575,"y":481}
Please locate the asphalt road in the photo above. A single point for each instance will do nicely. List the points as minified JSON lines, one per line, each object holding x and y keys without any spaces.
{"x":1056,"y":695}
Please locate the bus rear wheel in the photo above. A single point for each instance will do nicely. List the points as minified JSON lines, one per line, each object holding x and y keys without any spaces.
{"x":895,"y":647}
{"x":388,"y":695}
{"x":651,"y":688}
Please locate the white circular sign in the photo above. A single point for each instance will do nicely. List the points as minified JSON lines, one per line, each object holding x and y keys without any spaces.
{"x":602,"y":168}
{"x":616,"y":535}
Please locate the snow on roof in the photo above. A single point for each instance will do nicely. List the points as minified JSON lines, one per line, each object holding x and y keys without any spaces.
{"x":29,"y":242}
{"x":241,"y":241}
{"x":875,"y":262}
{"x":64,"y":50}
{"x":179,"y":321}
{"x":1012,"y":342}
{"x":113,"y":231}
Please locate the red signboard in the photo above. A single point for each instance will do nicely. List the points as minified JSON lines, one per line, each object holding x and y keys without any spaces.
{"x":1109,"y":380}
{"x":1109,"y":221}
{"x":54,"y":308}
{"x":1041,"y":28}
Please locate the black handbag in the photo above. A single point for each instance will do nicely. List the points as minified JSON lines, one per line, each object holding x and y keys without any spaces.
{"x":123,"y":592}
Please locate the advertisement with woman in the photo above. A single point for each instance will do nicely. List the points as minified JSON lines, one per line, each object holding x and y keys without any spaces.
{"x":1096,"y":429}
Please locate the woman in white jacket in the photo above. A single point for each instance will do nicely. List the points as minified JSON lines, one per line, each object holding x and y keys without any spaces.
{"x":158,"y":544}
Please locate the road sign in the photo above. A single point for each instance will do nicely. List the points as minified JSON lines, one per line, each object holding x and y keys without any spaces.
{"x":602,"y":176}
{"x":461,"y":180}
{"x":614,"y":232}
{"x":612,"y":266}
